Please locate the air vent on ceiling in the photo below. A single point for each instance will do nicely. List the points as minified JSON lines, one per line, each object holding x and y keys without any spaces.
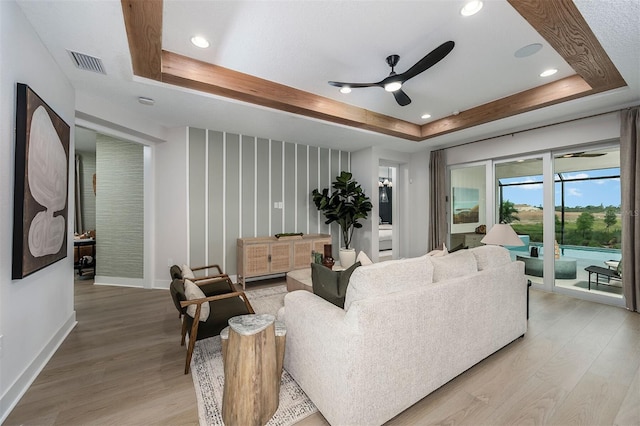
{"x":87,"y":63}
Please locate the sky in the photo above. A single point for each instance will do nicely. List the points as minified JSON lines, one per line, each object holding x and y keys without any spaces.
{"x":577,"y":193}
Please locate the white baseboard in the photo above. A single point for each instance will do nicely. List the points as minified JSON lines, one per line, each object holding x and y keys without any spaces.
{"x":119,"y":281}
{"x":14,"y":393}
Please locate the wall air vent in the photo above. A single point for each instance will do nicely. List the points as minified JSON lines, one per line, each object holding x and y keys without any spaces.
{"x":87,"y":63}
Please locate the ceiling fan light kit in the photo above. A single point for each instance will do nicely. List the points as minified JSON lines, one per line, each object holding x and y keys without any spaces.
{"x":393,"y":82}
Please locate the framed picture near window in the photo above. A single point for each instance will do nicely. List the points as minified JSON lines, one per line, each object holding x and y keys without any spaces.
{"x":41,"y":185}
{"x":466,"y":205}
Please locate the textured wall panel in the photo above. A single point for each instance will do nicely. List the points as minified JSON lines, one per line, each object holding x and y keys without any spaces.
{"x":216,"y":211}
{"x":232,"y":199}
{"x":87,"y":197}
{"x":303,"y":193}
{"x":245,"y":179}
{"x":263,"y":203}
{"x":197,"y":195}
{"x":313,"y":184}
{"x":119,"y":208}
{"x":276,"y":186}
{"x":289,"y":197}
{"x":248,"y":192}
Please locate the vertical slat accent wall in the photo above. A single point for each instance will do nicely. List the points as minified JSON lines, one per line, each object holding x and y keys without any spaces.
{"x":235,"y":185}
{"x":119,"y":208}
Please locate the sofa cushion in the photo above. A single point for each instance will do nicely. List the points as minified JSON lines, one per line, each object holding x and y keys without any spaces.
{"x":388,"y":277}
{"x":193,"y":292}
{"x":187,"y":272}
{"x":454,"y":265}
{"x":490,"y":256}
{"x":331,"y":285}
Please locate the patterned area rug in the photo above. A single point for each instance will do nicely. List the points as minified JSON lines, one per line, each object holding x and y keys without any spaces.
{"x":267,"y":300}
{"x":207,"y":372}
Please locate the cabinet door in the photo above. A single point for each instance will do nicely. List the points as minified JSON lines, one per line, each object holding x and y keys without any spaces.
{"x":301,"y":254}
{"x":318,"y":244}
{"x":280,"y":257}
{"x":256,"y":259}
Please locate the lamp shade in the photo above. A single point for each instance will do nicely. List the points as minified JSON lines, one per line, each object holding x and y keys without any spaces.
{"x":502,"y":234}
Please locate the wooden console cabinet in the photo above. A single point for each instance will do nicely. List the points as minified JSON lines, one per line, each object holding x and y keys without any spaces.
{"x":264,"y":256}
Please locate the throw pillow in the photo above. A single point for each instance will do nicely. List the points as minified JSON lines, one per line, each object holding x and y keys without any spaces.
{"x":187,"y":273}
{"x":331,"y":285}
{"x":363,"y":259}
{"x":490,"y":256}
{"x":192,"y":292}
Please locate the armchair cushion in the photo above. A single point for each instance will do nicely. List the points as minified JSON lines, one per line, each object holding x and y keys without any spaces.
{"x":193,"y":292}
{"x":187,"y":273}
{"x":331,"y":285}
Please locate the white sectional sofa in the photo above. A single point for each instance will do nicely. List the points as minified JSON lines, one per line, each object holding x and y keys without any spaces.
{"x":408,"y":327}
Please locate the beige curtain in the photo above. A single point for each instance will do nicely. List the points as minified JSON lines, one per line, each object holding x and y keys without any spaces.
{"x":630,"y":187}
{"x":437,"y":200}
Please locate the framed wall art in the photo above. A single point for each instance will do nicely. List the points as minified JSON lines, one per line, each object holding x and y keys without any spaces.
{"x":41,"y":185}
{"x":466,"y":205}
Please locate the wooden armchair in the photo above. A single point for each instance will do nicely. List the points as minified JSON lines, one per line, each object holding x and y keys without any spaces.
{"x":224,"y":303}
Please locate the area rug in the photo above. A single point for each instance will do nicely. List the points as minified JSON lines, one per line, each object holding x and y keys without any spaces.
{"x":267,"y":300}
{"x":207,"y":372}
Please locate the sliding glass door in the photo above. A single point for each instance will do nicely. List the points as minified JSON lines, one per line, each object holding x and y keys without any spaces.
{"x":588,"y":226}
{"x":519,"y":188}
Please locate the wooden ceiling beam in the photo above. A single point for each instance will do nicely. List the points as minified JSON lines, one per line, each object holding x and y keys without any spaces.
{"x":552,"y":93}
{"x":564,"y":28}
{"x":143,"y":21}
{"x":203,"y":76}
{"x":558,"y":21}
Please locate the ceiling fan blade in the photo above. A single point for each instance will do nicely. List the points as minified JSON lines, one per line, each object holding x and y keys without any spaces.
{"x":401,"y":97}
{"x":432,"y":58}
{"x":352,"y":85}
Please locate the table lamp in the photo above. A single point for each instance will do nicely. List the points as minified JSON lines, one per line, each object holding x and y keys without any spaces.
{"x":502,"y":234}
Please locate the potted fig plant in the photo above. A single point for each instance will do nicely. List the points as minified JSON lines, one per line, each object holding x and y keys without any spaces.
{"x":346,"y":205}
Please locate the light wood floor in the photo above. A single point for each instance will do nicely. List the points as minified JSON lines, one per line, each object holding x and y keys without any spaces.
{"x":579,"y":364}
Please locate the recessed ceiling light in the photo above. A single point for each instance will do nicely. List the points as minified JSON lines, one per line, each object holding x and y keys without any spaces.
{"x":345,"y":89}
{"x":528,"y":50}
{"x":471,"y":8}
{"x":548,"y":72}
{"x":200,"y":42}
{"x":425,"y":116}
{"x":146,"y":101}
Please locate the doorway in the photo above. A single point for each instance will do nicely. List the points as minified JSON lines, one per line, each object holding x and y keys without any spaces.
{"x":387,"y":212}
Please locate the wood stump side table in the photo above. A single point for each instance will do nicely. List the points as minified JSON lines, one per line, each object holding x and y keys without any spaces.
{"x":253,"y":354}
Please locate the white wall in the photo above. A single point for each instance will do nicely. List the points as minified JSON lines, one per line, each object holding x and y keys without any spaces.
{"x":410,"y":192}
{"x":36,"y":313}
{"x":588,"y":130}
{"x":172,"y":225}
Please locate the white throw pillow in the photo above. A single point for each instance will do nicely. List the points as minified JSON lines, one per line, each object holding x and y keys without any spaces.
{"x":192,"y":292}
{"x":363,"y":259}
{"x":187,"y":273}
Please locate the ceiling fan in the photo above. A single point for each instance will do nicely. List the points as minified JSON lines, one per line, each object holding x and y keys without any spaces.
{"x":582,"y":154}
{"x":393,"y":83}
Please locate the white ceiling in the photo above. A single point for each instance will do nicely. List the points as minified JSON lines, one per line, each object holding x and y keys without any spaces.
{"x":303,"y":44}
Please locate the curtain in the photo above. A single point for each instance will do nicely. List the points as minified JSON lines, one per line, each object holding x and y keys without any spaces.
{"x":437,"y":200}
{"x":630,"y":187}
{"x":78,"y":209}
